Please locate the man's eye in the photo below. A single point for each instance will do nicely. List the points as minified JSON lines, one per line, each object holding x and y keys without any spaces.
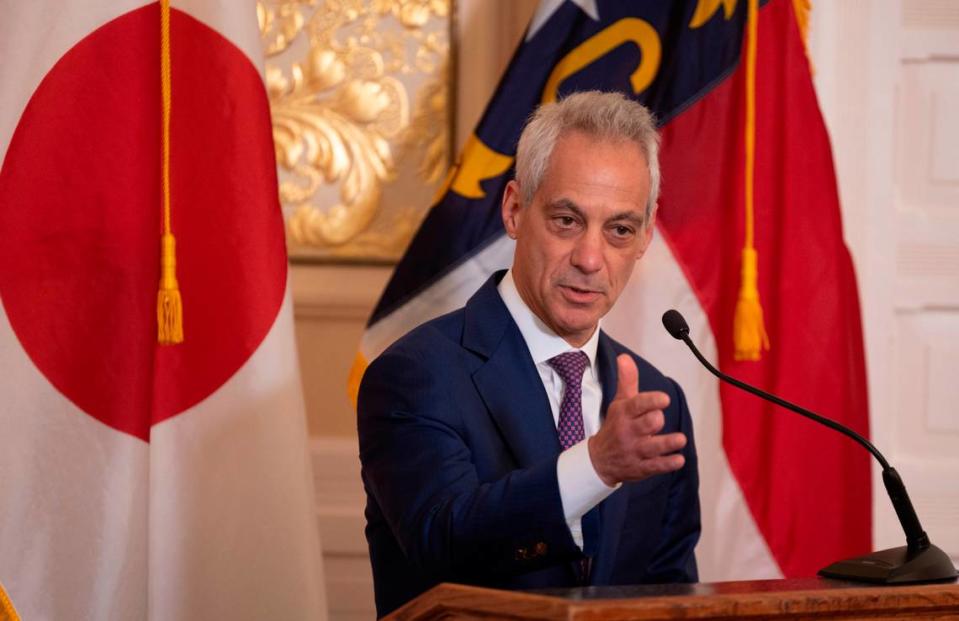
{"x":565,"y":221}
{"x":622,"y":231}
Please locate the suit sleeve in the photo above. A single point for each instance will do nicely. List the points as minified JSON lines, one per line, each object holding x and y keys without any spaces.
{"x":673,"y":559}
{"x":418,"y":467}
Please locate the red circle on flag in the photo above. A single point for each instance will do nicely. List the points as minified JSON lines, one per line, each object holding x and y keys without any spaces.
{"x":80,"y":220}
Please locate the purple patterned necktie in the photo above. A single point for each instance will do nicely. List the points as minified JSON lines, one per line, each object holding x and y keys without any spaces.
{"x":570,"y":366}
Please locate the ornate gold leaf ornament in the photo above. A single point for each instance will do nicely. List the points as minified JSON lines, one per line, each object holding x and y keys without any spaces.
{"x":341,"y":76}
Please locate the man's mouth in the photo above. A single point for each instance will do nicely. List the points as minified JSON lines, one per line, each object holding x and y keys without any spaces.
{"x":579,"y":295}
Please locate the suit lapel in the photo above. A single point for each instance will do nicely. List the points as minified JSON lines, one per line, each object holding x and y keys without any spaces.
{"x":612,"y":511}
{"x":508,"y":381}
{"x":606,"y":357}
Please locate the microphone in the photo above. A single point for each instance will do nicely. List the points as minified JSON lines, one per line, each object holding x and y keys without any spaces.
{"x":918,"y":561}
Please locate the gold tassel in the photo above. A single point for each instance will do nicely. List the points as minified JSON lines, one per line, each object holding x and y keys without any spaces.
{"x":169,"y":304}
{"x":7,"y":611}
{"x":802,"y":8}
{"x":749,"y":331}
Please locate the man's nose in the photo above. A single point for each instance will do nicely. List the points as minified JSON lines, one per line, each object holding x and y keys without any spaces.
{"x":587,"y":255}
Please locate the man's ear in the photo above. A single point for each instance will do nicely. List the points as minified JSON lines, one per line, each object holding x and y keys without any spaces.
{"x":511,"y":209}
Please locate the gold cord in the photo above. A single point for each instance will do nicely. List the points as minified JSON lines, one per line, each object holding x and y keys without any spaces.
{"x":749,"y":331}
{"x":169,"y":303}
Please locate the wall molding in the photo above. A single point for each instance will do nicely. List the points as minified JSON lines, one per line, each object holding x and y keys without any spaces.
{"x":338,"y":292}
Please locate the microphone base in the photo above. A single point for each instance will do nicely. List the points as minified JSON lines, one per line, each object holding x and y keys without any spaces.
{"x":895,"y":566}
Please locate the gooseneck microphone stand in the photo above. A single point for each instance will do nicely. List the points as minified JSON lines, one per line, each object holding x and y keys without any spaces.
{"x":918,"y":561}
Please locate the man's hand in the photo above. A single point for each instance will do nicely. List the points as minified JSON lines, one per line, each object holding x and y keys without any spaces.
{"x":626,"y":447}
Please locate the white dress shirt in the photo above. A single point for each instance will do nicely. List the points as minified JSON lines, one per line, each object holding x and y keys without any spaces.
{"x":580,"y":488}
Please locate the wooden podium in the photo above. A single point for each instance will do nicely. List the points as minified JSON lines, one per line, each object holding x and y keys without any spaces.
{"x":790,"y":599}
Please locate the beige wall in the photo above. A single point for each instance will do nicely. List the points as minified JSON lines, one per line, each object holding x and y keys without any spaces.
{"x":331,"y":305}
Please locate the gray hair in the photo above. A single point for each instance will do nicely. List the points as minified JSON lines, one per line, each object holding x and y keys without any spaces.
{"x":607,"y":116}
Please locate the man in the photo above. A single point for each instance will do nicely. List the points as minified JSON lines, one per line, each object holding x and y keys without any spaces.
{"x":509,"y":444}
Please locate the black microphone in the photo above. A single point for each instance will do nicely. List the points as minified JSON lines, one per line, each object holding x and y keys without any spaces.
{"x":917,"y":562}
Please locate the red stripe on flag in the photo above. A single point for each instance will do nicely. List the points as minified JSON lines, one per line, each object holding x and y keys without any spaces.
{"x":808,"y":488}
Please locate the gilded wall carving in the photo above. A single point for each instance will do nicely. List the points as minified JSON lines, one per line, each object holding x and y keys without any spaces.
{"x":359,"y":93}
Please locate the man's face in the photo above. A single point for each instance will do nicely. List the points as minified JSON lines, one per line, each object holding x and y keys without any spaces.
{"x":577,"y":242}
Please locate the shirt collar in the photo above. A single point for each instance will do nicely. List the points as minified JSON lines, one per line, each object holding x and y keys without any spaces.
{"x":542,"y":342}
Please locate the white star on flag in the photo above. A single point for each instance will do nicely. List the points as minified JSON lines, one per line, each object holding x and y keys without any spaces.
{"x":546,"y":9}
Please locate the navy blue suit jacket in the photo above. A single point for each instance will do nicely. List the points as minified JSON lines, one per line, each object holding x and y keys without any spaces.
{"x":459,"y":450}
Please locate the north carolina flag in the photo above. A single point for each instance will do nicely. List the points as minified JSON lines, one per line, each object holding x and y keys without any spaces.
{"x":140,"y":481}
{"x":781,"y":496}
